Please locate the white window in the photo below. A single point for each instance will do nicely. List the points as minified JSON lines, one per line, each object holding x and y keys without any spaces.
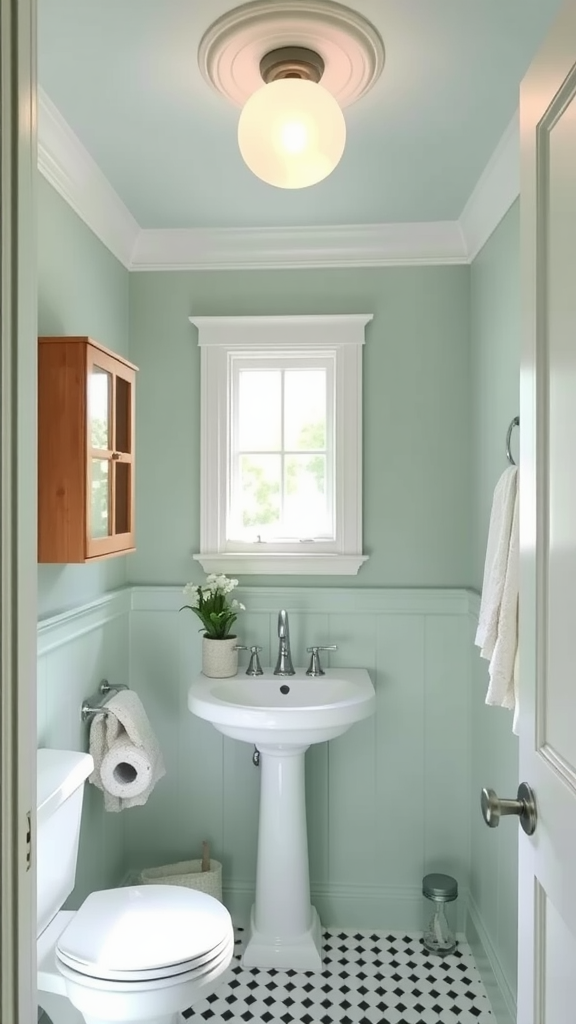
{"x":281,"y":444}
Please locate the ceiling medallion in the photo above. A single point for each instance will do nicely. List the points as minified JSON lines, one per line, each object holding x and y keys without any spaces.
{"x":292,"y":66}
{"x":350,"y":47}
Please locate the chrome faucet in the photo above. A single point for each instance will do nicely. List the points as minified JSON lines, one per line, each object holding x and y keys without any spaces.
{"x":284,"y":666}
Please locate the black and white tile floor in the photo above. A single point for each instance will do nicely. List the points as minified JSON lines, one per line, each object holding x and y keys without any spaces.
{"x":367,"y":978}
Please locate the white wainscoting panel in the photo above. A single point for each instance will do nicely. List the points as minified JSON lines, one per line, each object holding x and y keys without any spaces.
{"x":76,"y":650}
{"x":386,"y":802}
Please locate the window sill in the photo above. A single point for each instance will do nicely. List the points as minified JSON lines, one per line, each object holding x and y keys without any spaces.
{"x":281,"y":563}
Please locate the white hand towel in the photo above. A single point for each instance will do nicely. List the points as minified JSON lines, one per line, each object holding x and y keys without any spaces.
{"x":503,"y":663}
{"x":496,"y":562}
{"x":127,"y":759}
{"x":516,"y":722}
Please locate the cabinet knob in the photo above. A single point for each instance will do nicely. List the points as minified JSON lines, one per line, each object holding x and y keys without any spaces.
{"x":115,"y":455}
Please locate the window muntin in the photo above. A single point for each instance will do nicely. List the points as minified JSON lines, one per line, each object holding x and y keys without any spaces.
{"x":282,"y":476}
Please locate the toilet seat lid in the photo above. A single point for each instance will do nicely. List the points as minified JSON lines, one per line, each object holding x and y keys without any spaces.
{"x":144,"y":928}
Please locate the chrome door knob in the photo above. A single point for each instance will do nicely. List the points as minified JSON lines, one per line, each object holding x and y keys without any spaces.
{"x":493,"y":808}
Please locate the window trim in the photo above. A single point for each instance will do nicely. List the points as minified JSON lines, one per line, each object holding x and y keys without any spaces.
{"x":222,"y":337}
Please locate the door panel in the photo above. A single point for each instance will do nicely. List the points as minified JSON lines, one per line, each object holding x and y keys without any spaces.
{"x":559,"y":960}
{"x":557,"y":201}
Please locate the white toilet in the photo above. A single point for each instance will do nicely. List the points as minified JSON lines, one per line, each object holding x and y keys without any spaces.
{"x":138,"y":953}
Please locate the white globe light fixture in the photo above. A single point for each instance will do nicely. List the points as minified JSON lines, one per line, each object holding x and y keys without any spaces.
{"x":291,"y":131}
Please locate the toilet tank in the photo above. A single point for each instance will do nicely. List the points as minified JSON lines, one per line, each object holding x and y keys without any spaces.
{"x":61,"y":775}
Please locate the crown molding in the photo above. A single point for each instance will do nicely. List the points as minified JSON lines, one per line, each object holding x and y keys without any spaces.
{"x":360,"y":245}
{"x":70,"y":169}
{"x":495,"y":191}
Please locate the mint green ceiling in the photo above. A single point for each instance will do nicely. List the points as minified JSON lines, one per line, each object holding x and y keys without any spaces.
{"x":124,"y":75}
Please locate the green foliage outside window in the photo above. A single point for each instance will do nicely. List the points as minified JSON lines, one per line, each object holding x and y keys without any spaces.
{"x":265,"y":493}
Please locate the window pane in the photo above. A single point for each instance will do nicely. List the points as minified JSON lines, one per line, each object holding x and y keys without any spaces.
{"x":305,"y":410}
{"x":305,"y":508}
{"x":99,"y":391}
{"x":100,"y":499}
{"x":259,"y":410}
{"x":259,"y":494}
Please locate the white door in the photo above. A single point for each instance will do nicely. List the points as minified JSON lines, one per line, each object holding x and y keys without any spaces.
{"x":18,"y":347}
{"x":547,"y":914}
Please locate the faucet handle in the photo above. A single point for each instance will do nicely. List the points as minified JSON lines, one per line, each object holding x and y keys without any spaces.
{"x":315,"y":668}
{"x":254,"y":667}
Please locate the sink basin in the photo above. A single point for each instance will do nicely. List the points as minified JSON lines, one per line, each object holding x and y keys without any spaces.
{"x":282,"y":716}
{"x":288,"y":710}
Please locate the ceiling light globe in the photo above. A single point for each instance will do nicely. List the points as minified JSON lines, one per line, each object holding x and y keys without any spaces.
{"x":291,"y":133}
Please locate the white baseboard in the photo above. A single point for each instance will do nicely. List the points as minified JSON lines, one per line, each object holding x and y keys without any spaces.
{"x":502,"y":998}
{"x":392,"y":908}
{"x":396,"y":908}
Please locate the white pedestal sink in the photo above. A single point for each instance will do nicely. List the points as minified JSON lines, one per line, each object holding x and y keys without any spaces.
{"x":283,"y":715}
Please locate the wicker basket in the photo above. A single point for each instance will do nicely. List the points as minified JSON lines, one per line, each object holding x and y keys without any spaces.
{"x":188,"y":873}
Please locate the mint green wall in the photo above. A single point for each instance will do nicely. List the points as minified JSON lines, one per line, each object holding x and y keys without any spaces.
{"x":417,"y":472}
{"x":82,"y":289}
{"x":495,"y":369}
{"x":495,"y":366}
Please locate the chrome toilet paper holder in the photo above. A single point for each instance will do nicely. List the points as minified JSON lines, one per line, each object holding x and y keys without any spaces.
{"x":96,"y":705}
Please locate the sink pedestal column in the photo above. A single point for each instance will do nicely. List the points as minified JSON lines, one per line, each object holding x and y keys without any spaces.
{"x":284,"y":927}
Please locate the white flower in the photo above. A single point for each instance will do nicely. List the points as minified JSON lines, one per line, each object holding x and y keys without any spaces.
{"x":219,"y":583}
{"x":238,"y":606}
{"x":191,"y":591}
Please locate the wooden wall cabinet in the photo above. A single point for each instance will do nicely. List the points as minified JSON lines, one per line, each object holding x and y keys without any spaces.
{"x":85,"y":451}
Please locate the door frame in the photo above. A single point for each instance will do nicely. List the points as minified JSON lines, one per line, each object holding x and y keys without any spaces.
{"x":18,"y":593}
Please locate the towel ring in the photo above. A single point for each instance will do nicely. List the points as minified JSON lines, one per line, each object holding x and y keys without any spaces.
{"x":95,"y":705}
{"x":514,"y":423}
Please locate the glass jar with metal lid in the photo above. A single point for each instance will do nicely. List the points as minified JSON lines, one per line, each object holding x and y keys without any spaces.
{"x":440,"y":893}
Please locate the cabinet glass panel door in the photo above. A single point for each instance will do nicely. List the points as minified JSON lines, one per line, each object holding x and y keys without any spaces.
{"x":123,"y":415}
{"x":100,"y":407}
{"x":123,"y":447}
{"x":123,"y":497}
{"x":111,"y":454}
{"x":100,"y":499}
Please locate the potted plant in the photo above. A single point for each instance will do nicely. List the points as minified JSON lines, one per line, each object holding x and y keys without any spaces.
{"x":217,"y":613}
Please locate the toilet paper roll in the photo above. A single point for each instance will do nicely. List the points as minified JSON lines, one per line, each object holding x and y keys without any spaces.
{"x":126,"y":770}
